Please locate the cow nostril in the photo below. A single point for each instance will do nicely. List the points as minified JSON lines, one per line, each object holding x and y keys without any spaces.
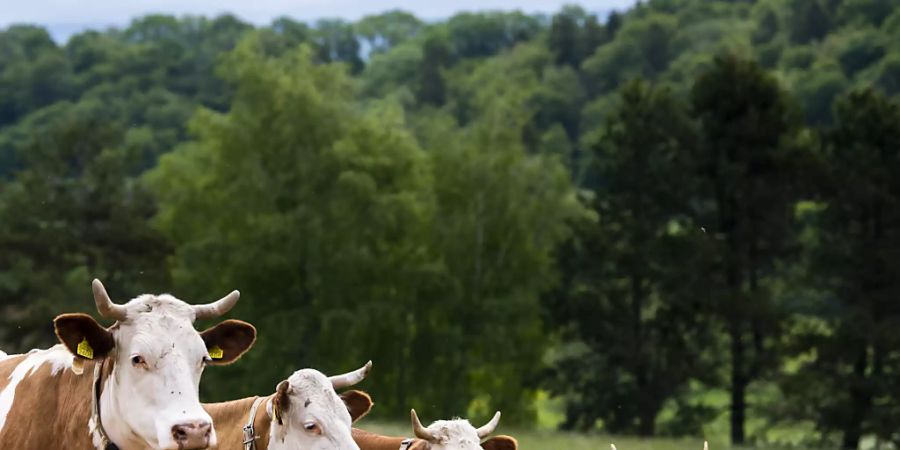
{"x":179,"y":432}
{"x":192,"y":435}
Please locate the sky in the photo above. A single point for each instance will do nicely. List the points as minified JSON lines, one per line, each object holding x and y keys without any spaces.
{"x":66,"y":17}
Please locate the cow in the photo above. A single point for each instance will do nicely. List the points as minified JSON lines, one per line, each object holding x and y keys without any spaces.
{"x":305,"y":412}
{"x":141,"y":386}
{"x":456,"y":434}
{"x":705,"y":446}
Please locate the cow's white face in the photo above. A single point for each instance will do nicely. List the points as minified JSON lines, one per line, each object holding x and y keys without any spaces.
{"x":153,"y":358}
{"x":308,"y":414}
{"x":159,"y":358}
{"x":459,"y":434}
{"x":454,"y":435}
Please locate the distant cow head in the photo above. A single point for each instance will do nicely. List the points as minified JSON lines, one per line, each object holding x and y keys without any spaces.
{"x":308,"y":414}
{"x":459,"y":434}
{"x":153,"y":358}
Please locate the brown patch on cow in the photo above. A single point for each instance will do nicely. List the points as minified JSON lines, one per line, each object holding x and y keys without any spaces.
{"x":371,"y":441}
{"x":358,"y":403}
{"x":500,"y":443}
{"x":73,"y":328}
{"x":49,"y":411}
{"x":234,"y":337}
{"x":229,"y":419}
{"x":7,"y":367}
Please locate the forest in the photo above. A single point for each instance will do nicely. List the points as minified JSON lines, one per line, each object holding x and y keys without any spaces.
{"x":679,"y":219}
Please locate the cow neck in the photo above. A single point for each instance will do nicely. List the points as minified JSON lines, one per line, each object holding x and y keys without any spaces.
{"x":371,"y":441}
{"x":254,"y":424}
{"x":105,"y":443}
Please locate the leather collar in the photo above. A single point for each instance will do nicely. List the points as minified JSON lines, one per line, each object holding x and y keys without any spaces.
{"x":250,"y":436}
{"x":105,"y":443}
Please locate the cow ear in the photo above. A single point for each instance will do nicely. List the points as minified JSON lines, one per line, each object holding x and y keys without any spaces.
{"x":500,"y":443}
{"x":358,"y":404}
{"x":83,"y":336}
{"x":281,"y":401}
{"x":227,"y":341}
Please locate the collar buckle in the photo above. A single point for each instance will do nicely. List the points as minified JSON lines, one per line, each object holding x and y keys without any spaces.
{"x":250,"y":436}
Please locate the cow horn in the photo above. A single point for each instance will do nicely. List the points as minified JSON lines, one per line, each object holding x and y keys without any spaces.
{"x":216,"y":308}
{"x":350,"y":378}
{"x":484,"y":431}
{"x":105,"y":305}
{"x":420,"y":431}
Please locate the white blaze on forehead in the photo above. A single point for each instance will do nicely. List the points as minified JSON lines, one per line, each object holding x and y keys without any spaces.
{"x":59,"y":359}
{"x":157,"y":305}
{"x":158,"y":326}
{"x":313,"y":387}
{"x":455,"y":434}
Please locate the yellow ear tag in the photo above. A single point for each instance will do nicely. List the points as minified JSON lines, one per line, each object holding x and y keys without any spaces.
{"x":84,"y":349}
{"x":216,"y":352}
{"x":275,"y":414}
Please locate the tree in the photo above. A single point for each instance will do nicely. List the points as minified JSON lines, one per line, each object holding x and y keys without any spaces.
{"x":564,"y":38}
{"x":859,"y":49}
{"x":317,"y":211}
{"x":810,"y":21}
{"x":574,"y":35}
{"x":817,"y":90}
{"x":747,"y":160}
{"x":436,"y":55}
{"x":851,"y":333}
{"x":385,"y":31}
{"x":642,"y":48}
{"x":336,"y":41}
{"x":71,"y":213}
{"x":476,"y":35}
{"x":868,"y":12}
{"x":502,"y":212}
{"x":33,"y":72}
{"x":640,"y":264}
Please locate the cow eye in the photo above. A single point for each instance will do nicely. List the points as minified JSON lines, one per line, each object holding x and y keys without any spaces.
{"x":312,"y":427}
{"x":138,"y":360}
{"x":206,"y":360}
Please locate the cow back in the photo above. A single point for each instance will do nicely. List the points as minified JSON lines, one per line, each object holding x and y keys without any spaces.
{"x":43,"y":403}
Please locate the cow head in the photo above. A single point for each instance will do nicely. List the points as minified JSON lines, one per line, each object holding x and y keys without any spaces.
{"x":308,"y":414}
{"x":459,"y":434}
{"x":153,"y":358}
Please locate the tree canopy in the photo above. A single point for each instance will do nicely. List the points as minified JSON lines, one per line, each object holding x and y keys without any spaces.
{"x":672,"y":219}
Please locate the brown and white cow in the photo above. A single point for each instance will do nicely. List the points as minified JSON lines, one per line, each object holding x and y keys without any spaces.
{"x":131,"y":386}
{"x":304,"y":413}
{"x":456,"y":434}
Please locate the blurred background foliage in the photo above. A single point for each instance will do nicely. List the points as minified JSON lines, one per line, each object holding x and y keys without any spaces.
{"x":678,"y":219}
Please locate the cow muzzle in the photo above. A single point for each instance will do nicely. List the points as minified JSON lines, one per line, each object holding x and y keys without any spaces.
{"x":192,"y":436}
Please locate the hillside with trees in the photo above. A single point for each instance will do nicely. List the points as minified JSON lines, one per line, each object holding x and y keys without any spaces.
{"x":677,"y":219}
